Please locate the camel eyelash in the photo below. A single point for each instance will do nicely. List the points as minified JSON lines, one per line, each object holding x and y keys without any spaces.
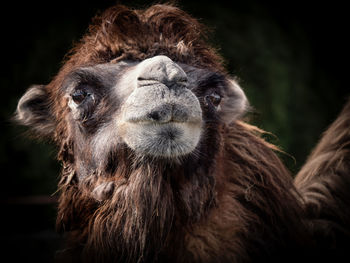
{"x":79,"y":95}
{"x":213,"y":99}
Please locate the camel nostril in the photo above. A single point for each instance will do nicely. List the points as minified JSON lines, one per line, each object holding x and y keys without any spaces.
{"x":154,"y":116}
{"x":160,"y":114}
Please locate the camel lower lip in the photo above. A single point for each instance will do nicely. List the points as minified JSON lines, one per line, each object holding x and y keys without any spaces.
{"x":168,"y":139}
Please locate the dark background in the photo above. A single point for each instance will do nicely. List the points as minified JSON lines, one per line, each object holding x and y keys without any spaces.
{"x":291,"y":59}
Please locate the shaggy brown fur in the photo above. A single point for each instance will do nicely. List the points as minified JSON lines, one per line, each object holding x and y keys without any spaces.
{"x":233,"y":201}
{"x":238,"y":208}
{"x":324,"y":183}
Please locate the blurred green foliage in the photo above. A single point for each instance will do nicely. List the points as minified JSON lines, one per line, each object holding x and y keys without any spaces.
{"x":282,"y":54}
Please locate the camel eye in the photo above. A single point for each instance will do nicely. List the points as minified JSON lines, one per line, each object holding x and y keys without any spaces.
{"x":79,"y":96}
{"x":214,"y":99}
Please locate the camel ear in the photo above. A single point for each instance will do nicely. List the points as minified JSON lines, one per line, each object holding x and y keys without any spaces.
{"x":33,"y":110}
{"x":234,"y":102}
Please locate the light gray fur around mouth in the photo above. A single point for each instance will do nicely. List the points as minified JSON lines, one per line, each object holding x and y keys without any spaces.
{"x":161,"y":116}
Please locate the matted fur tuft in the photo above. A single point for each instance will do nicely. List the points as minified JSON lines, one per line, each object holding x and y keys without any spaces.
{"x":123,"y":33}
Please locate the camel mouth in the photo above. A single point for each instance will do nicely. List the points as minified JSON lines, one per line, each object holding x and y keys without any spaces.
{"x":166,"y":140}
{"x":164,"y":114}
